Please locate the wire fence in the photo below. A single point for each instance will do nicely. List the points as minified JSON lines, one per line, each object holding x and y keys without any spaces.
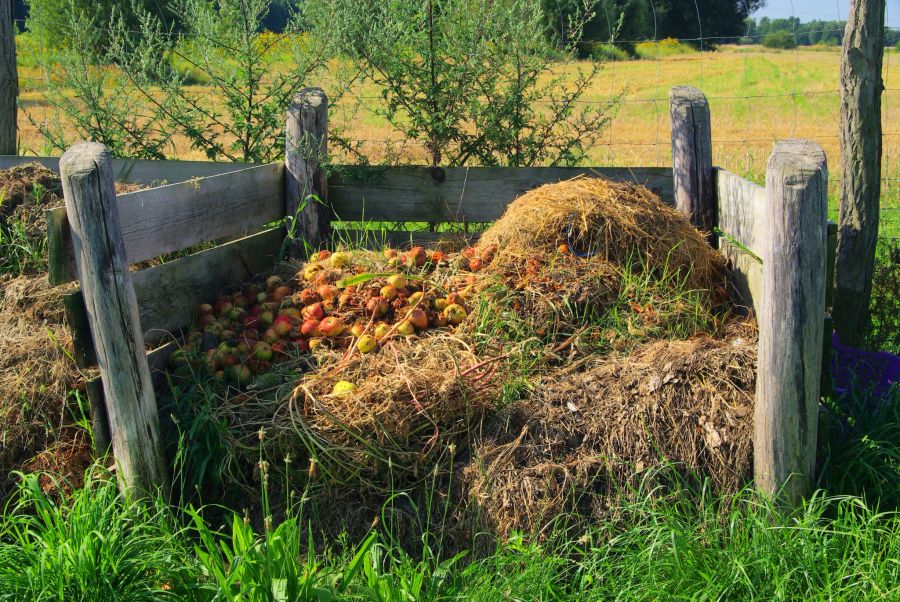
{"x":768,"y":95}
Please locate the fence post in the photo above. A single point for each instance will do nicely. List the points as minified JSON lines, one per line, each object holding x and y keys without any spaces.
{"x":306,"y":146}
{"x":9,"y":81}
{"x":692,"y":168}
{"x":88,"y":187}
{"x":791,"y":319}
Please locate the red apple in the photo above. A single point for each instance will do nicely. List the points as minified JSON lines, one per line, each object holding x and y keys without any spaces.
{"x":204,"y":308}
{"x":310,"y":328}
{"x":302,"y":344}
{"x":314,"y":311}
{"x":331,"y":327}
{"x":358,"y":329}
{"x":417,"y":256}
{"x":270,"y":336}
{"x":282,"y":324}
{"x":255,"y":310}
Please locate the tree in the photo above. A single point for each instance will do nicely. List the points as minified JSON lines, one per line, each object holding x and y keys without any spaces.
{"x":9,"y":80}
{"x":861,"y":87}
{"x":471,"y":80}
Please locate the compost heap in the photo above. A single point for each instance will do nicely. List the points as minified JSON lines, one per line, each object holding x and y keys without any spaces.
{"x":36,"y":372}
{"x":585,"y":339}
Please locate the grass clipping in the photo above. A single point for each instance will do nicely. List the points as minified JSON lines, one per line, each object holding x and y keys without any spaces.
{"x":606,"y":221}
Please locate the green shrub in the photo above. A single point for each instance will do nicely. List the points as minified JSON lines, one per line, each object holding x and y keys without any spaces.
{"x":599,"y":51}
{"x":663,"y":48}
{"x":779,"y":39}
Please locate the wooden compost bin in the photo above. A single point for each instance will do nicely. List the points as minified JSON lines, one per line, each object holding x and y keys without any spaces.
{"x":776,"y":238}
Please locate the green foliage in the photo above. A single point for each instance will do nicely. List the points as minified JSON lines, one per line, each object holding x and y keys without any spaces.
{"x":56,"y":22}
{"x":779,"y":39}
{"x":93,"y":545}
{"x":599,"y":51}
{"x":151,"y":95}
{"x":470,"y":79}
{"x":663,"y":48}
{"x":884,"y":310}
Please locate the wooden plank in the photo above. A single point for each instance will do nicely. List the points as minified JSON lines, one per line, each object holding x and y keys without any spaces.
{"x":157,"y":360}
{"x":305,"y":181}
{"x":401,"y":239}
{"x":168,"y":294}
{"x":692,"y":167}
{"x":77,"y":318}
{"x":459,"y":194}
{"x":791,"y":320}
{"x":741,"y":206}
{"x":112,"y":309}
{"x":746,"y":275}
{"x":169,"y":218}
{"x":142,"y":171}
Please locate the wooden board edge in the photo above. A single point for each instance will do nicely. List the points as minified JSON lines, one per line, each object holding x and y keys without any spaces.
{"x":58,"y":271}
{"x":82,"y":340}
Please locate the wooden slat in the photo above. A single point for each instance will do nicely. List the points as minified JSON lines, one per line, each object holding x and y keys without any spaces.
{"x":830,"y":258}
{"x":399,"y":239}
{"x":142,"y":171}
{"x":476,"y":194}
{"x":746,"y":275}
{"x":169,"y":218}
{"x":168,"y":294}
{"x":77,"y":318}
{"x":741,"y":207}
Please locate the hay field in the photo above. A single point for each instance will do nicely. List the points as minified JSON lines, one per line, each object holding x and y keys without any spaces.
{"x":757,"y":96}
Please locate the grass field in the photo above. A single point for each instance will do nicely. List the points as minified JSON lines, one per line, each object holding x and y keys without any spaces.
{"x":757,"y":97}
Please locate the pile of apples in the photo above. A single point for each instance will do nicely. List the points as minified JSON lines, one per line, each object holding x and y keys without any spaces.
{"x":241,"y":335}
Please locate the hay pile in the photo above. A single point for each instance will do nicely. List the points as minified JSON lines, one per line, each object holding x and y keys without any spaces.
{"x":35,"y":371}
{"x":597,"y":425}
{"x":611,"y":222}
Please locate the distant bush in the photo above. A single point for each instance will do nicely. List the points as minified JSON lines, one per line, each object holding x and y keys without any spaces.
{"x":599,"y":51}
{"x":663,"y":48}
{"x":897,"y":47}
{"x":779,"y":39}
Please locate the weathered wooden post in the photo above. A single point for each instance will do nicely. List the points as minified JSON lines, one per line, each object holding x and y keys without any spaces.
{"x":692,"y":167}
{"x":91,"y":206}
{"x":306,"y":142}
{"x":791,"y":319}
{"x":862,"y":54}
{"x":9,"y":80}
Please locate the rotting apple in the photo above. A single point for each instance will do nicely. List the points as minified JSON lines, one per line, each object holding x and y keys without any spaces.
{"x":440,"y":304}
{"x":414,"y":298}
{"x":358,"y":329}
{"x":388,"y":292}
{"x":323,"y":255}
{"x":262,"y":351}
{"x":381,"y":330}
{"x":366,"y":343}
{"x":280,"y":293}
{"x":339,"y":260}
{"x":439,"y":320}
{"x":418,"y":318}
{"x":397,"y":280}
{"x":314,"y":311}
{"x":417,"y":256}
{"x":266,"y":318}
{"x":204,"y":308}
{"x":390,"y":253}
{"x":331,"y":327}
{"x":282,"y":325}
{"x":310,"y":328}
{"x":343,"y":387}
{"x":455,"y":313}
{"x":270,"y":336}
{"x":377,"y":307}
{"x":328,"y":292}
{"x":405,"y":328}
{"x":272,"y":282}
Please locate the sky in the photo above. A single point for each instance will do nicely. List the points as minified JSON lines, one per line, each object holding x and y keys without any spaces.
{"x":807,"y":10}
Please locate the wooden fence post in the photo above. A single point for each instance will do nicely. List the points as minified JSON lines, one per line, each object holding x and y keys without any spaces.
{"x":91,"y":206}
{"x":306,"y":146}
{"x":791,"y":319}
{"x":862,"y":54}
{"x":692,"y":168}
{"x":9,"y":80}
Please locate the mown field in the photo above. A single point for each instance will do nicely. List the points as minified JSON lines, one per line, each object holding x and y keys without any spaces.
{"x":757,"y":97}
